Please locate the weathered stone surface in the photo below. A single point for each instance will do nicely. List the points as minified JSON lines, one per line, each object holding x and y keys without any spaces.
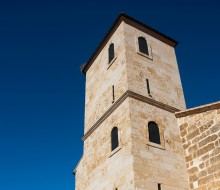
{"x":161,"y":69}
{"x":201,"y":147}
{"x":99,"y":169}
{"x":164,"y":164}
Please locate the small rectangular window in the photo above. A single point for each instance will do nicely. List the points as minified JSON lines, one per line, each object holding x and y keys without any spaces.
{"x":113,"y":94}
{"x":159,"y":186}
{"x":111,"y":53}
{"x":148,"y":87}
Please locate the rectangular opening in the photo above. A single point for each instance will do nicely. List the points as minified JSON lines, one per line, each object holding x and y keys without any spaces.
{"x":113,"y":94}
{"x":148,"y":86}
{"x":159,"y":186}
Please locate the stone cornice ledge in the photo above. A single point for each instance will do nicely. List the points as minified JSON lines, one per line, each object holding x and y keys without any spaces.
{"x":199,"y":109}
{"x":133,"y":95}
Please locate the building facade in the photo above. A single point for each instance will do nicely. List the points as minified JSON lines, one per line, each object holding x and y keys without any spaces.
{"x":200,"y":135}
{"x":131,"y":137}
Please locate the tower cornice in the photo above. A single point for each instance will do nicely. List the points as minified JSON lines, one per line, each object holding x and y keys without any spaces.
{"x":135,"y":23}
{"x":128,"y":94}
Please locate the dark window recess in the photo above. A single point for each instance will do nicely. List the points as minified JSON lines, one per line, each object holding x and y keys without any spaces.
{"x":154,"y":134}
{"x":159,"y":186}
{"x":148,"y":87}
{"x":142,"y":42}
{"x":114,"y":138}
{"x":113,"y":94}
{"x":111,"y":53}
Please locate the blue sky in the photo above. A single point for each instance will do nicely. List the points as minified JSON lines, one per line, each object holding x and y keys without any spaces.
{"x":42,"y":46}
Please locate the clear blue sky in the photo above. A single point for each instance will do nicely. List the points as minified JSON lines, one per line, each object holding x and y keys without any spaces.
{"x":42,"y":46}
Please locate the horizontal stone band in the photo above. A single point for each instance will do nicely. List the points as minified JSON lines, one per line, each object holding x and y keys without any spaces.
{"x":133,"y":95}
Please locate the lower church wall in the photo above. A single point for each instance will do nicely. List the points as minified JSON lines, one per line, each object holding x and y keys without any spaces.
{"x":200,"y":135}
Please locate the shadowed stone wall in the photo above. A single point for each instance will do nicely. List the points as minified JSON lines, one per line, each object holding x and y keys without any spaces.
{"x":101,"y":76}
{"x":102,"y":169}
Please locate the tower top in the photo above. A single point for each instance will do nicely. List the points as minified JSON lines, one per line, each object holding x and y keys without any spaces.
{"x":135,"y":23}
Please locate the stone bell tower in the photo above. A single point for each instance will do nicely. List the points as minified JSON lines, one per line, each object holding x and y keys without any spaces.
{"x":131,"y":138}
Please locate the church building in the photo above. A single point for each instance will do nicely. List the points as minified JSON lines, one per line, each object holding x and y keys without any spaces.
{"x":138,"y":134}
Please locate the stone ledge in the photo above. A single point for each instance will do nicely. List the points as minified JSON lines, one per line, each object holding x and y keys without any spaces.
{"x":199,"y":109}
{"x":133,"y":95}
{"x":75,"y":169}
{"x":114,"y":151}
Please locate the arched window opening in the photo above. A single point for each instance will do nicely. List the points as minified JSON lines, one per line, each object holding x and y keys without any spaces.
{"x":111,"y":53}
{"x":114,"y":138}
{"x":142,"y":42}
{"x":154,"y":134}
{"x":159,"y":186}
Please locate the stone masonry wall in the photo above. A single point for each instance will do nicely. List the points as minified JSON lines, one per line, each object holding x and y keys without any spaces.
{"x":160,"y":68}
{"x":153,"y":163}
{"x":200,"y":134}
{"x":102,"y":169}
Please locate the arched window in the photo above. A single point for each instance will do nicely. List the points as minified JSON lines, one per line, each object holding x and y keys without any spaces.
{"x":142,"y":42}
{"x":111,"y":53}
{"x":114,"y":138}
{"x":154,"y":134}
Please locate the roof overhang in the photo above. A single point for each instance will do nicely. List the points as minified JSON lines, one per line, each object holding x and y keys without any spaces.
{"x":135,"y":23}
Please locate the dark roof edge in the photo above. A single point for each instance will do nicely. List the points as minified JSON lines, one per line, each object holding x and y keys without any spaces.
{"x":197,"y":110}
{"x":148,"y":27}
{"x":86,"y":66}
